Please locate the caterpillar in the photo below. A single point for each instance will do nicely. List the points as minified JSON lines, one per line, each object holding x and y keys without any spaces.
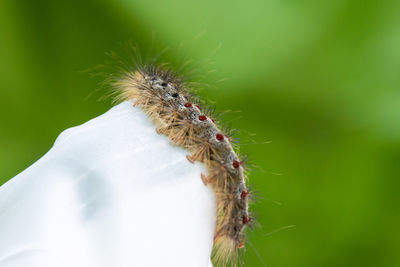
{"x":167,"y":99}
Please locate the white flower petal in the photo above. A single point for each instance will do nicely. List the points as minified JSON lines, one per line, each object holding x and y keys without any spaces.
{"x":110,"y":193}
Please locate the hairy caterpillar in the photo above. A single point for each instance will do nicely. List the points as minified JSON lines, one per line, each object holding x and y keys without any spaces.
{"x":167,"y":100}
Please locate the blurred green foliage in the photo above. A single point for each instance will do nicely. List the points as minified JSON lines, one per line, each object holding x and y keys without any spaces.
{"x":319,"y":79}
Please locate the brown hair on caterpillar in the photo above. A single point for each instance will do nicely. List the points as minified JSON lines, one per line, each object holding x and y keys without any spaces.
{"x":167,"y":100}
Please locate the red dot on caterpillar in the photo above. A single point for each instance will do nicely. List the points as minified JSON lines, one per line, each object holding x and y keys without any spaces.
{"x":188,"y":105}
{"x":198,"y":107}
{"x":212,"y":119}
{"x":236,"y":164}
{"x":219,"y":136}
{"x":244,"y":194}
{"x":241,"y":244}
{"x":246,"y":219}
{"x":202,"y":117}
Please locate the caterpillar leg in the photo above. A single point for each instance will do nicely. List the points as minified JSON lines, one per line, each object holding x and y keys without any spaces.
{"x":206,"y":179}
{"x":159,"y":130}
{"x":190,"y":158}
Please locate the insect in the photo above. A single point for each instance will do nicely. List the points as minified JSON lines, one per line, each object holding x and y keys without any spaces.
{"x":167,"y":99}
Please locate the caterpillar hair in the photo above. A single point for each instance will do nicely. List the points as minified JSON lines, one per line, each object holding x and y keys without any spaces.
{"x":168,"y":100}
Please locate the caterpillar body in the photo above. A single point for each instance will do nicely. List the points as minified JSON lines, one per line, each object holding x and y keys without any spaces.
{"x":166,"y":99}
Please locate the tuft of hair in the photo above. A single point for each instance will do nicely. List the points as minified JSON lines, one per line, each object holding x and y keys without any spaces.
{"x":168,"y":101}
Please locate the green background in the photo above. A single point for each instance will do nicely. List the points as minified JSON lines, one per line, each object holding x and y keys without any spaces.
{"x":317,"y":85}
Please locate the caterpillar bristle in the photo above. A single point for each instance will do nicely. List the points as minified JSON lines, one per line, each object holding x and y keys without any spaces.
{"x":224,"y":245}
{"x":167,"y":100}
